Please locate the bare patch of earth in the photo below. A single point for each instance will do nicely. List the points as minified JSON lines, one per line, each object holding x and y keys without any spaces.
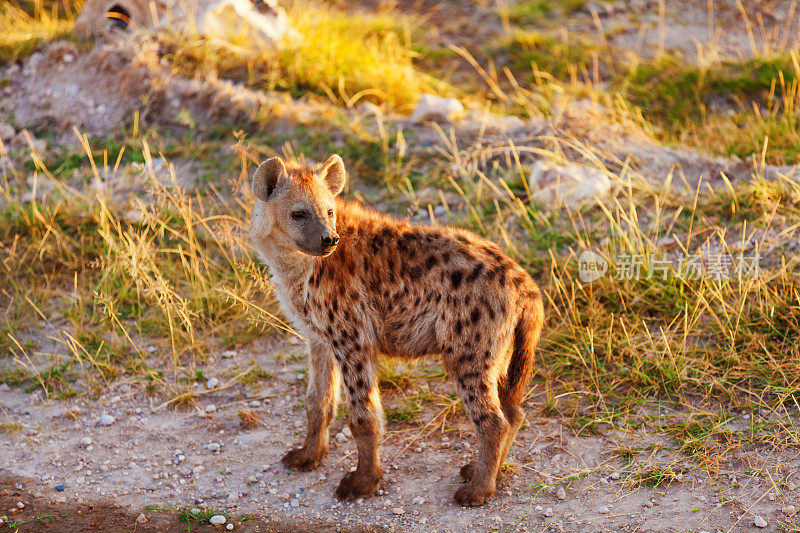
{"x":155,"y":458}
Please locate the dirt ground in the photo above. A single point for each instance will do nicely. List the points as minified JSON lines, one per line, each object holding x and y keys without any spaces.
{"x":154,"y":460}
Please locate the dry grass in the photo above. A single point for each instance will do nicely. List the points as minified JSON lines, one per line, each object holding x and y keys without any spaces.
{"x":168,"y":263}
{"x":26,"y":24}
{"x":249,"y":419}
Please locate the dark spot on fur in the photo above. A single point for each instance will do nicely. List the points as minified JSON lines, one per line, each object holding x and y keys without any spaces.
{"x":459,"y":326}
{"x":330,"y":315}
{"x":475,"y":272}
{"x":475,"y":315}
{"x":455,"y":277}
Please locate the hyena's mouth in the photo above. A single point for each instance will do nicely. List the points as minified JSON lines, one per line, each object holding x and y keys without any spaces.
{"x":318,"y":252}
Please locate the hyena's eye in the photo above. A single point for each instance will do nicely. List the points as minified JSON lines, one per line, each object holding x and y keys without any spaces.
{"x":330,"y":212}
{"x":298,"y":215}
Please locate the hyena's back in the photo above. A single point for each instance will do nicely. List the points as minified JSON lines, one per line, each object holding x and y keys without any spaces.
{"x":426,"y":290}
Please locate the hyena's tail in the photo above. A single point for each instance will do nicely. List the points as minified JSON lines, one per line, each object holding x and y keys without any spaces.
{"x":520,"y":367}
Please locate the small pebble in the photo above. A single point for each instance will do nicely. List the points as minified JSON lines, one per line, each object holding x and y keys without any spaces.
{"x":107,"y":420}
{"x":212,"y":383}
{"x":615,"y":475}
{"x":341,"y":438}
{"x":141,"y":519}
{"x":548,"y":511}
{"x":60,"y":488}
{"x":758,"y":521}
{"x":210,"y":408}
{"x":398,"y":511}
{"x":86,"y":441}
{"x":20,"y":505}
{"x":229,"y":527}
{"x":604,"y":510}
{"x":561,"y":493}
{"x":217,"y":520}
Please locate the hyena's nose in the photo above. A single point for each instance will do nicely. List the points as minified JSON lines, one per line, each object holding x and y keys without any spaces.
{"x":330,"y":240}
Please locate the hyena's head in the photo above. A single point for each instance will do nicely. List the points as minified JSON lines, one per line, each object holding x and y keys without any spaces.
{"x":295,"y":205}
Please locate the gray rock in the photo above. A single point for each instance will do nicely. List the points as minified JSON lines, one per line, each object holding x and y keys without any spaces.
{"x":107,"y":419}
{"x":758,"y":521}
{"x":573,"y":186}
{"x":432,"y":108}
{"x":212,"y":383}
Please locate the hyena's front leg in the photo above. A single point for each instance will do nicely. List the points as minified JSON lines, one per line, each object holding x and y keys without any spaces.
{"x":321,"y":399}
{"x":366,"y":423}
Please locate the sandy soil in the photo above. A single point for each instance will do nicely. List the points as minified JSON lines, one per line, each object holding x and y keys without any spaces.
{"x":153,"y":459}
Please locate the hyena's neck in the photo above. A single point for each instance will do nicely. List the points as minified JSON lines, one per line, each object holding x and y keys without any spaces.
{"x":290,"y":269}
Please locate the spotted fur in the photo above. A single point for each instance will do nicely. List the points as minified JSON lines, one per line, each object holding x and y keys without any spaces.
{"x":392,"y":288}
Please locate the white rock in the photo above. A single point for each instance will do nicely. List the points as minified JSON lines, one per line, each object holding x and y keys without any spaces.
{"x":210,"y":408}
{"x":141,"y":519}
{"x":758,"y":521}
{"x":107,"y":420}
{"x":615,"y":475}
{"x":561,"y":493}
{"x":398,"y":511}
{"x":347,"y":432}
{"x":86,"y":441}
{"x":790,"y":510}
{"x":603,"y":510}
{"x":212,"y":383}
{"x":229,"y":527}
{"x":213,"y":447}
{"x":548,"y":511}
{"x":432,"y":108}
{"x":572,"y":185}
{"x":217,"y":520}
{"x":341,"y":438}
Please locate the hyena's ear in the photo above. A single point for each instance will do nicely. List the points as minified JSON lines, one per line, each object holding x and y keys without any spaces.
{"x":333,"y":174}
{"x":266,"y":177}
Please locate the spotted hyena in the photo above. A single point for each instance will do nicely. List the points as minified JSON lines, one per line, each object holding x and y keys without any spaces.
{"x":358,"y":284}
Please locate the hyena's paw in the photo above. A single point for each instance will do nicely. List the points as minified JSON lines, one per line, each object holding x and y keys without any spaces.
{"x":303,"y":459}
{"x":358,"y":484}
{"x":473,"y":494}
{"x":467,"y":472}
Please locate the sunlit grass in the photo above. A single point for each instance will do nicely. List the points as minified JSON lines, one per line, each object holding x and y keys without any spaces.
{"x":348,"y":57}
{"x":25,"y":25}
{"x":174,"y":272}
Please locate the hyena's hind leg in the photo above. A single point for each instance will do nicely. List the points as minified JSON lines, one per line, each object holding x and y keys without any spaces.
{"x":482,"y":405}
{"x":322,"y":397}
